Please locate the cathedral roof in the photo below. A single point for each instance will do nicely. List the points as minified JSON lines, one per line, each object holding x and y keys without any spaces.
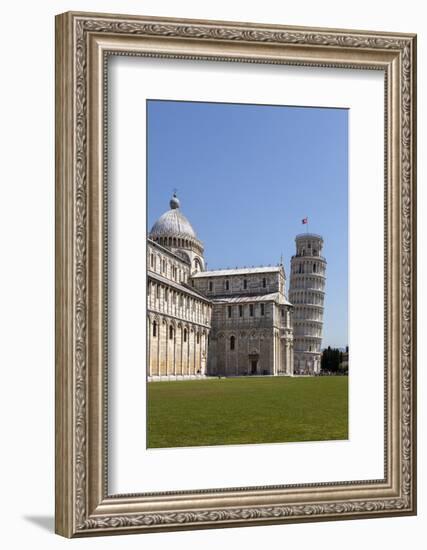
{"x":173,"y":223}
{"x":238,"y":271}
{"x":178,"y":286}
{"x":277,"y":297}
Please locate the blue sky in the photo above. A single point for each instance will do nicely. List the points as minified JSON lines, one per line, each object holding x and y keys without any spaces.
{"x":246,"y":175}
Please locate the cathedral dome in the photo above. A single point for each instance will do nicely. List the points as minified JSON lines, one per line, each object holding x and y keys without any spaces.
{"x":173,"y":223}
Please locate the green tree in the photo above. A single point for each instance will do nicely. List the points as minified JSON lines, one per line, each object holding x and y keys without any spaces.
{"x":330,"y":360}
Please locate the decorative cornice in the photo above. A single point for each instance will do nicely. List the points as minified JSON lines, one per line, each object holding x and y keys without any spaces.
{"x":80,"y":221}
{"x":244,"y":514}
{"x":211,"y":31}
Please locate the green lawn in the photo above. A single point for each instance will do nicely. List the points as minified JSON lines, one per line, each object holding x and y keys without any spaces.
{"x":247,"y":410}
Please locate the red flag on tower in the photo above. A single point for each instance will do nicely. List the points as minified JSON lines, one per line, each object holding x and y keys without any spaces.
{"x":304,"y":221}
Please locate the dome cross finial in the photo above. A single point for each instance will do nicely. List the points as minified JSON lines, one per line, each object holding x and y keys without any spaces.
{"x":174,"y":202}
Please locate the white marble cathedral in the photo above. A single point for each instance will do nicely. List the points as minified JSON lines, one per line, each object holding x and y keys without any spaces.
{"x":229,"y":322}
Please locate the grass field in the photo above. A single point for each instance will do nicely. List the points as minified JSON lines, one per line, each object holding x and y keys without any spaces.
{"x":247,"y":410}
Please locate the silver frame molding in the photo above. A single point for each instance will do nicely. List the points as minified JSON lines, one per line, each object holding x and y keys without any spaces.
{"x":83,"y":43}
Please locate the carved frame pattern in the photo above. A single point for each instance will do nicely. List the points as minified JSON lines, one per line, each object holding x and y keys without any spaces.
{"x":83,"y":506}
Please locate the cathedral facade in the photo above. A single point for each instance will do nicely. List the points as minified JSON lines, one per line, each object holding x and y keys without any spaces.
{"x":227,"y":322}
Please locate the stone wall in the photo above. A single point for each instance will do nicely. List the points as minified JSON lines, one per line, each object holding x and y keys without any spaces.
{"x":179,"y":319}
{"x":230,"y":284}
{"x":252,"y":340}
{"x":233,"y":323}
{"x":251,"y":322}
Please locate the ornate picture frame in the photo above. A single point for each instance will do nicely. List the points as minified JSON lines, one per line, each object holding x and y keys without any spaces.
{"x":84,"y":506}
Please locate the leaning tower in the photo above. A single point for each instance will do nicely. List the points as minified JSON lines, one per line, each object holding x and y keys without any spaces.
{"x":307,"y":293}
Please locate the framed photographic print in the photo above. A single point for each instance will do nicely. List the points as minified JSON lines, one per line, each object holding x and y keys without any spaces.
{"x":235,"y":274}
